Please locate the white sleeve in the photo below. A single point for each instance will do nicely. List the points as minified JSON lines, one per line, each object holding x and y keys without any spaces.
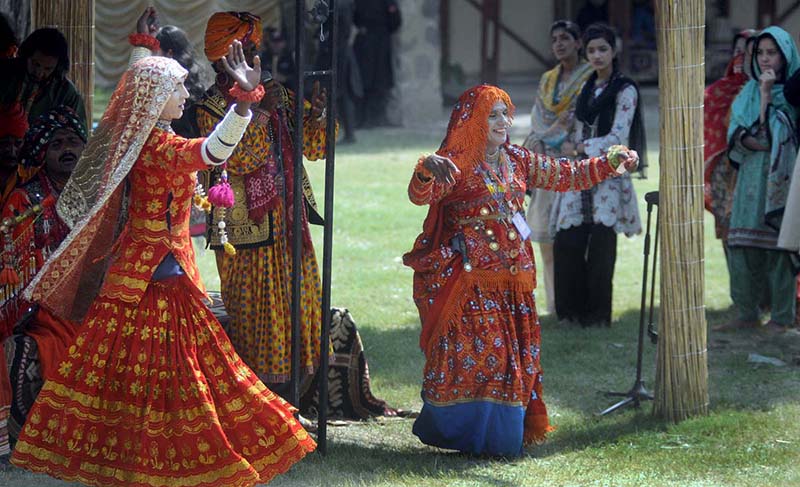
{"x":137,"y":53}
{"x":218,"y":147}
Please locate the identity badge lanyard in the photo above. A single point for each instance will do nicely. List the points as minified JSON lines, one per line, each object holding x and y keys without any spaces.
{"x":499,"y":187}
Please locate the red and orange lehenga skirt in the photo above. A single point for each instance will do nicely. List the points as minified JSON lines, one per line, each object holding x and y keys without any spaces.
{"x":154,"y":395}
{"x":482,"y":385}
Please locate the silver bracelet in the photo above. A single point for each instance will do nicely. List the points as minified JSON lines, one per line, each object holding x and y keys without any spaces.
{"x":219,"y":146}
{"x":138,"y":53}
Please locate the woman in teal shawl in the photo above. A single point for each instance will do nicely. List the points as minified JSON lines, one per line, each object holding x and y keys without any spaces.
{"x":763,"y":147}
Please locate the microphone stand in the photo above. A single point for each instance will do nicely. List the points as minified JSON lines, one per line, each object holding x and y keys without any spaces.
{"x":639,"y":392}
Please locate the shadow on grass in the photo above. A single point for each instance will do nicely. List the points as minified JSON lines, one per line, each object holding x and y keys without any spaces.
{"x":394,"y":354}
{"x":358,"y":461}
{"x":597,"y":431}
{"x":580,"y":364}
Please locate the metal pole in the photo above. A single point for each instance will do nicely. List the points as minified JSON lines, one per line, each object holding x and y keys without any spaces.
{"x":327,"y":248}
{"x":297,"y":201}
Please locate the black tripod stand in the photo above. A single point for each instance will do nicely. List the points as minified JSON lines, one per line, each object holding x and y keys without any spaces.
{"x":638,"y":392}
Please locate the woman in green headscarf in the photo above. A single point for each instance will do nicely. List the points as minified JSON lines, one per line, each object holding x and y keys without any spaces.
{"x":763,"y":147}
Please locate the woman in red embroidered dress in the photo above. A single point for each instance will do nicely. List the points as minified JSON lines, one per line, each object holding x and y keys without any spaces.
{"x":474,"y":278}
{"x":719,"y":176}
{"x":151,"y":393}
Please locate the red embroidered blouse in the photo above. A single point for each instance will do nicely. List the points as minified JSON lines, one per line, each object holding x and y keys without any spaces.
{"x":162,"y":183}
{"x":465,"y":229}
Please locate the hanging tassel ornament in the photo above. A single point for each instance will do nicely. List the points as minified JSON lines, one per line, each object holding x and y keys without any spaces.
{"x":223,"y":238}
{"x":221,"y":196}
{"x":200,"y":200}
{"x":221,"y":193}
{"x":8,"y":275}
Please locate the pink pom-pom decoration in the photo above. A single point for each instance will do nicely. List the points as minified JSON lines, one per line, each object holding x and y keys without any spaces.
{"x":221,"y":193}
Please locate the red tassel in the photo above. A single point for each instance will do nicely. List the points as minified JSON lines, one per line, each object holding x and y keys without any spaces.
{"x":9,"y":276}
{"x":221,"y":193}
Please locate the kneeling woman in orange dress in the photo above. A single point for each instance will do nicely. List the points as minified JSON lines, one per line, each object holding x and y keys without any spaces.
{"x":474,"y":278}
{"x":151,"y":392}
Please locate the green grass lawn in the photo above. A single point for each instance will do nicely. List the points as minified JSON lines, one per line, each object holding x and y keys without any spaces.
{"x":750,"y":438}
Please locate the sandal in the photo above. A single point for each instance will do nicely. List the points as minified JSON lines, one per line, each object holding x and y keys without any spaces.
{"x":775,"y":328}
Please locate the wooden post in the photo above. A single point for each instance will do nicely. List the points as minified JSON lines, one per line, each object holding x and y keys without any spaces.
{"x":682,"y":370}
{"x":75,"y":20}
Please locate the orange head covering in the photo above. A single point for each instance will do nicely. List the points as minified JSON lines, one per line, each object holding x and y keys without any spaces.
{"x":13,"y":121}
{"x":225,"y":27}
{"x":468,"y":130}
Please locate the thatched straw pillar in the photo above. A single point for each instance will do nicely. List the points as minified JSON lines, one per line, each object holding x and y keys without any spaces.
{"x":681,"y":371}
{"x":75,"y":19}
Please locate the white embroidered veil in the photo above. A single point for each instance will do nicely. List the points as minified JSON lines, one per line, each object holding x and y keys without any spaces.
{"x":92,"y":202}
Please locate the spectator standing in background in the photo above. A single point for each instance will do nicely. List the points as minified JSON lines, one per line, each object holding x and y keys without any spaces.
{"x":37,"y":78}
{"x":348,"y":76}
{"x":763,"y":146}
{"x":586,"y":223}
{"x":13,"y":125}
{"x":376,"y":21}
{"x":719,"y":175}
{"x":551,"y":120}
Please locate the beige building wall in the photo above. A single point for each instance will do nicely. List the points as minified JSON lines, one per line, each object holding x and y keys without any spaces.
{"x":791,"y":24}
{"x":418,"y":94}
{"x":529,"y":19}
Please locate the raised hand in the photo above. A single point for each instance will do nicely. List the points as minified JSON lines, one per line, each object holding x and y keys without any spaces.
{"x":319,"y":100}
{"x":443,"y":169}
{"x":236,"y":66}
{"x":767,"y":80}
{"x":148,"y":22}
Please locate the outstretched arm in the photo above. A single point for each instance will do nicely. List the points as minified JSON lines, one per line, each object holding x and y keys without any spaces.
{"x":144,"y":40}
{"x":227,"y":134}
{"x":562,"y":175}
{"x":434,"y":178}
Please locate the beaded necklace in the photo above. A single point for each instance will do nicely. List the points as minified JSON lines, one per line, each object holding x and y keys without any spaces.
{"x":498,"y":183}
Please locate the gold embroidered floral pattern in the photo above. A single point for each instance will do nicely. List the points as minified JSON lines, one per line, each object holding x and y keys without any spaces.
{"x":161,"y":407}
